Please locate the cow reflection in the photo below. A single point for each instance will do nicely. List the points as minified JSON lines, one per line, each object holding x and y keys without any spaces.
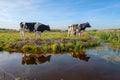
{"x":35,"y":59}
{"x":80,"y":56}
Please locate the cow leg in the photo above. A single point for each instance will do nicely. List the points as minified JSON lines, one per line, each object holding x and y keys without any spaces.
{"x":68,"y":33}
{"x":82,"y":33}
{"x":40,"y":33}
{"x":75,"y":33}
{"x":79,"y":34}
{"x":71,"y":33}
{"x":35,"y":34}
{"x":22,"y":34}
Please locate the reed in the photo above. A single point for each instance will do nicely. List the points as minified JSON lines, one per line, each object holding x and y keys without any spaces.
{"x":112,"y":37}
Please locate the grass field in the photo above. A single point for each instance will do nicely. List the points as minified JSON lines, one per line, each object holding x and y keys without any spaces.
{"x":57,"y":41}
{"x":49,"y":42}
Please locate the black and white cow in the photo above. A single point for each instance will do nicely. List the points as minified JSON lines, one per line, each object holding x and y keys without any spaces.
{"x":36,"y":27}
{"x":77,"y":28}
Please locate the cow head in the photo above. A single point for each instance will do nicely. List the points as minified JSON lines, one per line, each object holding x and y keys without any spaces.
{"x":47,"y":27}
{"x":83,"y":26}
{"x":22,"y":25}
{"x":88,"y":25}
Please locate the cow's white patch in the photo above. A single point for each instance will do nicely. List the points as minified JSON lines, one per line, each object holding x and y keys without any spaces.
{"x":37,"y":25}
{"x":36,"y":31}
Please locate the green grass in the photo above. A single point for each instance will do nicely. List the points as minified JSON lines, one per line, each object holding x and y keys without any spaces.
{"x":49,"y":42}
{"x":58,"y":47}
{"x":112,"y":37}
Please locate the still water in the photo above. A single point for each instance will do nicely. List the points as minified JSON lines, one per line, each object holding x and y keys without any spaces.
{"x":101,"y":63}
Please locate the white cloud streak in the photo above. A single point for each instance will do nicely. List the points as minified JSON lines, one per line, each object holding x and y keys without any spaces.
{"x":9,"y":8}
{"x":9,"y":11}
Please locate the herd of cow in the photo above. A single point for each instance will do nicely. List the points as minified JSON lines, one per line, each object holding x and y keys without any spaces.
{"x":38,"y":28}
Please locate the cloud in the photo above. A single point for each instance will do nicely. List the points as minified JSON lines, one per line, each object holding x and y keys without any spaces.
{"x":9,"y":8}
{"x":16,"y":10}
{"x":12,"y":10}
{"x":105,"y":8}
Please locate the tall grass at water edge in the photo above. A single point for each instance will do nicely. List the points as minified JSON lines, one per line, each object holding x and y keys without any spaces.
{"x":112,"y":36}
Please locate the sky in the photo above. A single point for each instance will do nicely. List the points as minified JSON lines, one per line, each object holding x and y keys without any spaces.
{"x":101,"y":14}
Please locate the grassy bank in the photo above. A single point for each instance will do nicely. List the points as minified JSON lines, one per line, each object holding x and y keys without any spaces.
{"x":110,"y":36}
{"x":49,"y":42}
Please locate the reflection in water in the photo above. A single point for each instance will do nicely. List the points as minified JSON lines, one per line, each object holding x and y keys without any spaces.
{"x":80,"y":56}
{"x":106,"y":53}
{"x":28,"y":59}
{"x":61,"y":67}
{"x":35,"y":58}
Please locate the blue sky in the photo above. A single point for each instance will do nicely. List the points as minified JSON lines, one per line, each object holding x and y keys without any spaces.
{"x":101,"y":14}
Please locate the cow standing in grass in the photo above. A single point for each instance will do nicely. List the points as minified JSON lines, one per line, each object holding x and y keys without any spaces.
{"x":77,"y":28}
{"x":35,"y":27}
